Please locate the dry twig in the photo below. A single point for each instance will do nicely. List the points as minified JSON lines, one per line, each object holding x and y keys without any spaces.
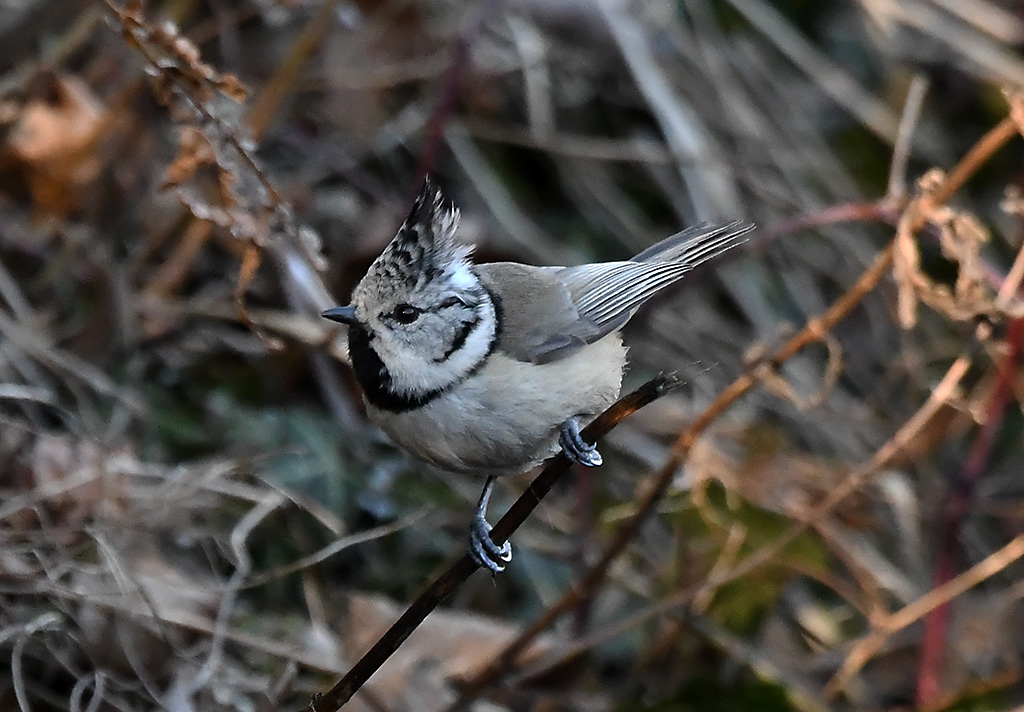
{"x":465,"y":566}
{"x":979,"y":153}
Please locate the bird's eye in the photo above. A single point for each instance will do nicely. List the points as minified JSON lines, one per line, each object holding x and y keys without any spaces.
{"x":405,"y":313}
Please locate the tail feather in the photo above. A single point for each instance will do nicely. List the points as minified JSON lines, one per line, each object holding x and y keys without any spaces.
{"x":697,"y":244}
{"x":607,"y":293}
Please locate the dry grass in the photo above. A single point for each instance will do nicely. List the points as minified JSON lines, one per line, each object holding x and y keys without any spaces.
{"x":196,"y":516}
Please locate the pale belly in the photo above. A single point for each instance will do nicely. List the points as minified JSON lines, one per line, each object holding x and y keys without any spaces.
{"x":506,"y":418}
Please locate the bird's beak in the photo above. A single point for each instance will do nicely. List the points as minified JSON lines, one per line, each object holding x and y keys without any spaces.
{"x":342,"y":315}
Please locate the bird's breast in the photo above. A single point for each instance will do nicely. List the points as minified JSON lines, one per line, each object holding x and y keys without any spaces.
{"x":505,"y":418}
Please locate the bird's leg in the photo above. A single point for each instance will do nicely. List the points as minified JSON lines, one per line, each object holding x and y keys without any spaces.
{"x":574,"y":447}
{"x":481,"y":549}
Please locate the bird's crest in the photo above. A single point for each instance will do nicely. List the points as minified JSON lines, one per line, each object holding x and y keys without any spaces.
{"x":425,"y":248}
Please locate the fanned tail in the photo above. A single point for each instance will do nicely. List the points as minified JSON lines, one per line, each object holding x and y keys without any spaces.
{"x":697,"y":244}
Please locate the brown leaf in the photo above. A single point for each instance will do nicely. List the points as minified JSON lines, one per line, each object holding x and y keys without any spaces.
{"x":194,"y":150}
{"x":448,"y":646}
{"x":55,"y":138}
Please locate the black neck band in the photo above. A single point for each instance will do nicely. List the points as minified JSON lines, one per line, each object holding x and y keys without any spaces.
{"x":375,"y":378}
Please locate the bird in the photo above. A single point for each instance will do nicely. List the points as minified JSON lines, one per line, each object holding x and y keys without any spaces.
{"x":492,"y":368}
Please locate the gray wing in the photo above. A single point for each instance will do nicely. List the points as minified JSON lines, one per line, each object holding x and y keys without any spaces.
{"x":540,"y":322}
{"x":549,"y":313}
{"x":607,"y":294}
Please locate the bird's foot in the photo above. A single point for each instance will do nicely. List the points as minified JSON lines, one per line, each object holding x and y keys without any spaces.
{"x":482,"y":548}
{"x":484,"y":551}
{"x":574,"y":447}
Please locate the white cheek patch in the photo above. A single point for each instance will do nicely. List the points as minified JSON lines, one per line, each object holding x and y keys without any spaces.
{"x":476,"y":347}
{"x":413,"y":374}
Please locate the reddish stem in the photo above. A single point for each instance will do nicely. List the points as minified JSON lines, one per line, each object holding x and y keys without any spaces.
{"x":933,"y":643}
{"x":452,"y":86}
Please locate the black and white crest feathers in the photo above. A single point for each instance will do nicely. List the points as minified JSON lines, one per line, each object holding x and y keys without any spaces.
{"x":425,"y":248}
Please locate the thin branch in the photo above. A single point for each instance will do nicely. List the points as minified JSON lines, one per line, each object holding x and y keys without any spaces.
{"x":461,"y":570}
{"x":928,"y":604}
{"x":980,"y":152}
{"x":285,"y":78}
{"x":898,"y":443}
{"x":992,"y":141}
{"x":131,"y":26}
{"x":660,"y":481}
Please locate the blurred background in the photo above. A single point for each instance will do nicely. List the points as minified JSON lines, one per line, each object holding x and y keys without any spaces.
{"x":195,"y":514}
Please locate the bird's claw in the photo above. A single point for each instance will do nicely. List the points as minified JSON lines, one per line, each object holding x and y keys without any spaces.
{"x":575,"y":448}
{"x":483,"y":550}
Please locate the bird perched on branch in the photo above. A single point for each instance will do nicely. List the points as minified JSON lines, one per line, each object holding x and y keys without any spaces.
{"x":493,"y":368}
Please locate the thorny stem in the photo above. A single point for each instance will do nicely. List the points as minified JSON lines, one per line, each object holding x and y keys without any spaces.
{"x":929,"y":673}
{"x":461,"y":570}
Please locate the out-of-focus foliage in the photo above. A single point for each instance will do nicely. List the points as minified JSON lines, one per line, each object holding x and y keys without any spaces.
{"x":195,"y":514}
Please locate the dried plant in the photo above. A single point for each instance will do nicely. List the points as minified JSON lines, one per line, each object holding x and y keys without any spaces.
{"x":824,"y":515}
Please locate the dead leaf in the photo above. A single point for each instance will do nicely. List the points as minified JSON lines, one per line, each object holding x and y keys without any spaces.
{"x":961,"y":236}
{"x":55,"y":138}
{"x":448,"y":645}
{"x":145,"y":602}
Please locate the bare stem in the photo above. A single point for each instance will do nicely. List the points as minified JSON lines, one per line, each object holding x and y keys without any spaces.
{"x":933,"y":643}
{"x":458,"y":572}
{"x":882,"y":210}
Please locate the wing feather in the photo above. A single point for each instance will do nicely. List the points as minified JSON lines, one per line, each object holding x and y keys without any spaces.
{"x":550,"y":313}
{"x":607,"y":293}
